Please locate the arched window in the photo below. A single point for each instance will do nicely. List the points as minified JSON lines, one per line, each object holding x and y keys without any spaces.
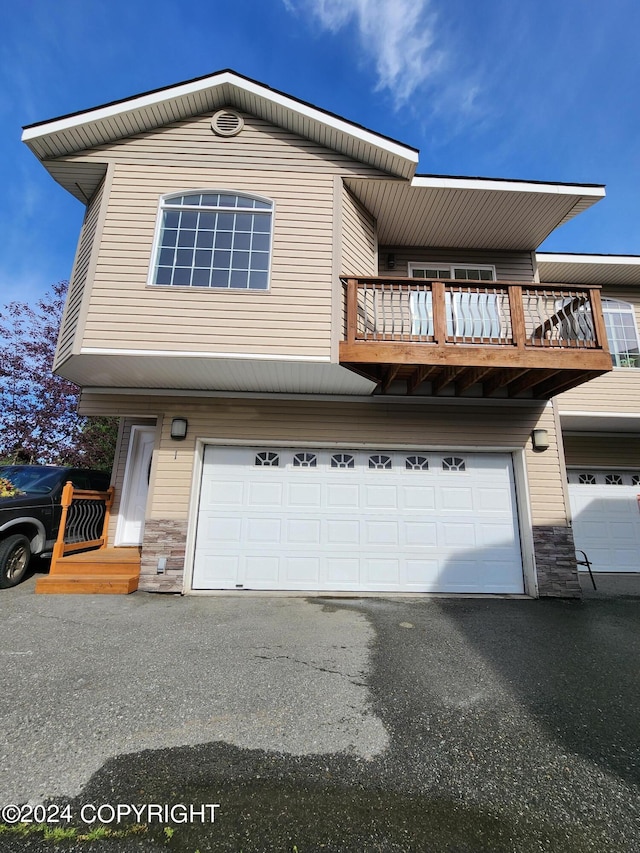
{"x":620,"y":322}
{"x":214,"y":240}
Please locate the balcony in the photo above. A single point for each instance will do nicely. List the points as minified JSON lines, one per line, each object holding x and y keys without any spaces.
{"x":452,"y":338}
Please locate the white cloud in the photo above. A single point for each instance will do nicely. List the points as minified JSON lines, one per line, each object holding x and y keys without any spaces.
{"x":397,"y":35}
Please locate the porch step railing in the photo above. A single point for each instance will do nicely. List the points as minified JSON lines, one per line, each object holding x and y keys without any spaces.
{"x":84,"y":522}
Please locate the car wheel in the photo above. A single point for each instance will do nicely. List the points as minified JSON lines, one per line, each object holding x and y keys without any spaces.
{"x":15,"y":553}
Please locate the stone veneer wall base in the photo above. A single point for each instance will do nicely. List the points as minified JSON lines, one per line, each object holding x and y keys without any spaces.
{"x":554,"y":550}
{"x":163,"y":538}
{"x":556,"y":562}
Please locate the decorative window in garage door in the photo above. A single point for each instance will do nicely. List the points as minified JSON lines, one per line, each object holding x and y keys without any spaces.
{"x":268,"y":459}
{"x":343,"y":460}
{"x":587,"y":479}
{"x":604,"y":478}
{"x":380,"y":462}
{"x":453,"y":463}
{"x":417,"y":463}
{"x":305,"y":460}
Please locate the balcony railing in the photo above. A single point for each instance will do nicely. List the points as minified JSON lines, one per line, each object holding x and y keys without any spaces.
{"x":454,"y":312}
{"x":529,"y":338}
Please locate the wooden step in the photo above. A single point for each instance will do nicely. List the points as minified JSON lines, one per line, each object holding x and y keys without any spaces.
{"x":88,"y":584}
{"x":110,"y":571}
{"x":66,"y":568}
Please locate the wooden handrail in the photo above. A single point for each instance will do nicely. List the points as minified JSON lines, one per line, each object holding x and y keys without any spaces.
{"x":514,"y":333}
{"x":69,"y":493}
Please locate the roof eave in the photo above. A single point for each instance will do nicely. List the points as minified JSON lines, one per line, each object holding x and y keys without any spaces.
{"x":39,"y":136}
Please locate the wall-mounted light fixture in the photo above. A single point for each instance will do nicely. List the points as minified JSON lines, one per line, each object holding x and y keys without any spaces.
{"x":179,"y":428}
{"x":391,"y":261}
{"x":540,"y":439}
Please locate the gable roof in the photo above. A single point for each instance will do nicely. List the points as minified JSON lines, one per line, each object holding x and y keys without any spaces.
{"x":65,"y":135}
{"x":440,"y":210}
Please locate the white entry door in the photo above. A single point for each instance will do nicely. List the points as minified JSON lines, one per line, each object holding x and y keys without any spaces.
{"x":318,"y":519}
{"x":133,"y":505}
{"x":606,"y":518}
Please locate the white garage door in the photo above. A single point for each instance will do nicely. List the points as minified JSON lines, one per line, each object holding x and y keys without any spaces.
{"x":317,"y":519}
{"x":606,"y":518}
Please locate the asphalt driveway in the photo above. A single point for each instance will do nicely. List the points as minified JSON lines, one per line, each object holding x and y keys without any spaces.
{"x":429,"y":724}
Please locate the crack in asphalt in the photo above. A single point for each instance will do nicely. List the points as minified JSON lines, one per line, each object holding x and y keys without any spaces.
{"x":350,"y":678}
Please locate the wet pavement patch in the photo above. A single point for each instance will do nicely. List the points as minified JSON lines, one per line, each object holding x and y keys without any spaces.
{"x":282,"y":803}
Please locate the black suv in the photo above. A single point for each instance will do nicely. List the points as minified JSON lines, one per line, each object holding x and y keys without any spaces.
{"x":29,"y":520}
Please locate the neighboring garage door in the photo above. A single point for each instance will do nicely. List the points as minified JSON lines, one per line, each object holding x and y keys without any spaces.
{"x":316,"y":519}
{"x":606,"y":518}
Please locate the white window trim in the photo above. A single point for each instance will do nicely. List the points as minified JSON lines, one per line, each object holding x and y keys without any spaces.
{"x":412,"y":265}
{"x":155,"y":247}
{"x":631,"y":308}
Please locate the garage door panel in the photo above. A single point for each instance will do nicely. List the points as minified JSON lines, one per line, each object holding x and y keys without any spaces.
{"x":422,"y":534}
{"x":343,"y":532}
{"x":302,"y":570}
{"x":420,"y":498}
{"x":412,"y":525}
{"x":264,"y":531}
{"x":381,"y":572}
{"x":343,"y":496}
{"x":261,"y":570}
{"x":606,"y":519}
{"x":380,"y":496}
{"x":456,"y":499}
{"x":457,"y":535}
{"x":380,"y":532}
{"x":494,"y":500}
{"x":267,"y":495}
{"x":343,"y":571}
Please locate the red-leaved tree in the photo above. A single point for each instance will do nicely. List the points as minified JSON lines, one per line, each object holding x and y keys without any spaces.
{"x":39,"y":421}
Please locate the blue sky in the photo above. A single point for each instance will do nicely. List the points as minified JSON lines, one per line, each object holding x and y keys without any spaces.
{"x":531,"y":89}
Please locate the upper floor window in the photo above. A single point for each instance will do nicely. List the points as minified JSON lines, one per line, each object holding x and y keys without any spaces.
{"x":463,"y":272}
{"x":214,"y":239}
{"x":620,"y":323}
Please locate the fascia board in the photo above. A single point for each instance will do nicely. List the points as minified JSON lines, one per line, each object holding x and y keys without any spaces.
{"x":596,"y":191}
{"x":609,"y":260}
{"x":34,"y":132}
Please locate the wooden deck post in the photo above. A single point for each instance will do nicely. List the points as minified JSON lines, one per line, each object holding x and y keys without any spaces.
{"x":65,"y":501}
{"x":598,"y":319}
{"x":518,"y":327}
{"x":439,"y":312}
{"x":352,"y":310}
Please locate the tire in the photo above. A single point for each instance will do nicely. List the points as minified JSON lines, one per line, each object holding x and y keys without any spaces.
{"x":15,"y":553}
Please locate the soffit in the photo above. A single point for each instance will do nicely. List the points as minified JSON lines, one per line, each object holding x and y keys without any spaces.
{"x":67,"y":135}
{"x":589,"y":269}
{"x":213,"y":374}
{"x":470,"y":213}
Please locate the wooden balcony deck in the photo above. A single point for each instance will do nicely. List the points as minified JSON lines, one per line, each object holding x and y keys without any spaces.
{"x":498,"y":338}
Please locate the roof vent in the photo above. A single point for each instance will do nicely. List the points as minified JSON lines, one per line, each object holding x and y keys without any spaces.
{"x":227,"y":123}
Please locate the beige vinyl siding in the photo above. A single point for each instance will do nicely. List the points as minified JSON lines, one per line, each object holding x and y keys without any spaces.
{"x":266,"y":146}
{"x":87,"y":246}
{"x":602,"y":450}
{"x":510,"y":266}
{"x":617,"y":391}
{"x":293,"y":318}
{"x":374,"y":424}
{"x":358,"y":238}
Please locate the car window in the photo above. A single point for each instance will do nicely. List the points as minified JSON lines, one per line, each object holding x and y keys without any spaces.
{"x":30,"y":479}
{"x":80,"y":479}
{"x":99,"y":481}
